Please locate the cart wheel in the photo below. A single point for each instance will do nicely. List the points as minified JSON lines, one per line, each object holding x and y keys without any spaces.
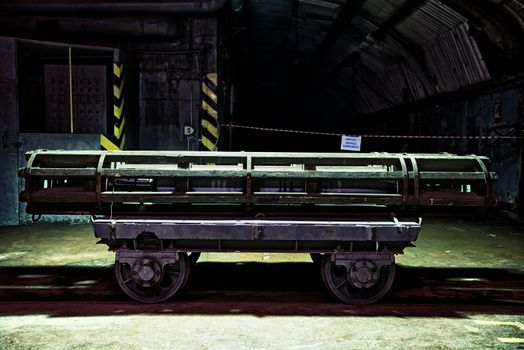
{"x":147,"y":280}
{"x":362,"y":283}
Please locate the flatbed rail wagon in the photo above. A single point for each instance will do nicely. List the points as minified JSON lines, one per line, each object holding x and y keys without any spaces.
{"x":159,"y":210}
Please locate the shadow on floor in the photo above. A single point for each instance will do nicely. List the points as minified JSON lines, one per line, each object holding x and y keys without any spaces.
{"x":261,"y":289}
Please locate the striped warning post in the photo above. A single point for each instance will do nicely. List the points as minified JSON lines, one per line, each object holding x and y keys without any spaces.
{"x":210,"y":130}
{"x":116,"y":138}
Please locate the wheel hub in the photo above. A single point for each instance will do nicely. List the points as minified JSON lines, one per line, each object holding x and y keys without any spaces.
{"x":146,"y":272}
{"x":363,"y":274}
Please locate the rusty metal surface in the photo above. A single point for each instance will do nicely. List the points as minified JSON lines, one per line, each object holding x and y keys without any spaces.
{"x":169,"y":100}
{"x":264,"y":230}
{"x":94,"y":181}
{"x":292,"y":236}
{"x":89,"y":99}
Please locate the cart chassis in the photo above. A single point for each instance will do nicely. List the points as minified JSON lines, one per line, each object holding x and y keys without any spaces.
{"x":357,"y":265}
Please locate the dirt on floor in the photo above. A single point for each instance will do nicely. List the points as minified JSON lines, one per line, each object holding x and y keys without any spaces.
{"x":462,"y":287}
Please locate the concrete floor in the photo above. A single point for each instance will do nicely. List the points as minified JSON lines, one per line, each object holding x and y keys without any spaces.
{"x":462,"y":287}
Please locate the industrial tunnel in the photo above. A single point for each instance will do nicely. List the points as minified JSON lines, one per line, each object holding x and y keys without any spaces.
{"x":408,"y":76}
{"x":405,"y":76}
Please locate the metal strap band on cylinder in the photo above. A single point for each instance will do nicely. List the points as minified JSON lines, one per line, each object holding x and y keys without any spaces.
{"x":405,"y":180}
{"x":416,"y":182}
{"x":99,"y":168}
{"x":486,"y":175}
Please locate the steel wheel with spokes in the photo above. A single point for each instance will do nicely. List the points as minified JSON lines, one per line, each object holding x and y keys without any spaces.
{"x":149,"y":280}
{"x":364,"y":282}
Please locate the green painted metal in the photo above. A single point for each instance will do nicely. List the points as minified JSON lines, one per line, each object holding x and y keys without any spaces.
{"x":93,"y":181}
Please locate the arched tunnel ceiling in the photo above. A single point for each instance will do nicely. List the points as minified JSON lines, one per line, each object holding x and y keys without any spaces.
{"x":380,"y":54}
{"x":325,"y":57}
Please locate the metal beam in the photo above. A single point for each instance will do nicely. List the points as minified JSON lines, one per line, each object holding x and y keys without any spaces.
{"x":349,"y":60}
{"x":398,"y":16}
{"x":495,"y":18}
{"x":379,"y":34}
{"x":81,"y":7}
{"x":340,"y":24}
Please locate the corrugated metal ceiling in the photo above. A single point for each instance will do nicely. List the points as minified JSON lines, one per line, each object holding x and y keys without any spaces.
{"x":377,"y":11}
{"x":428,"y":22}
{"x":424,"y":47}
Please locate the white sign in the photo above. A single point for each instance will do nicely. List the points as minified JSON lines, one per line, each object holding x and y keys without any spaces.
{"x":351,"y":143}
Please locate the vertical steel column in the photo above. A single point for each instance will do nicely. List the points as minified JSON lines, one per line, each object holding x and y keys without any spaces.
{"x":117,"y":139}
{"x":210,"y":131}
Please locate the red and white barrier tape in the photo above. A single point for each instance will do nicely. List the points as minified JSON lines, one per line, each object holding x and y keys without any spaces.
{"x":304,"y":132}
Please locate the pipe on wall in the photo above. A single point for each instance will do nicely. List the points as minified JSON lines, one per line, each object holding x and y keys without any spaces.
{"x":81,"y":7}
{"x":153,"y":27}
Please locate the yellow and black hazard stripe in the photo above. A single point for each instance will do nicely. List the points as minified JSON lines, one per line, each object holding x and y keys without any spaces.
{"x":210,"y":129}
{"x":116,"y":138}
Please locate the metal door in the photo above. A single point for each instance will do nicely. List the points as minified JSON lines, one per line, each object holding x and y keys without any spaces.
{"x":169,"y":101}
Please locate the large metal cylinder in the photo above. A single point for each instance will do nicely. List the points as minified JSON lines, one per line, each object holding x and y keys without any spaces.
{"x":134,"y":181}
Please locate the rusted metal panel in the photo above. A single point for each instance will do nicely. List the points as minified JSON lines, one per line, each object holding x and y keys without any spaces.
{"x":88,"y":96}
{"x":170,"y":99}
{"x":264,"y":230}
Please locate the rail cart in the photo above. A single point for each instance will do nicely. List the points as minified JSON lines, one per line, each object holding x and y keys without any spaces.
{"x":159,"y":210}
